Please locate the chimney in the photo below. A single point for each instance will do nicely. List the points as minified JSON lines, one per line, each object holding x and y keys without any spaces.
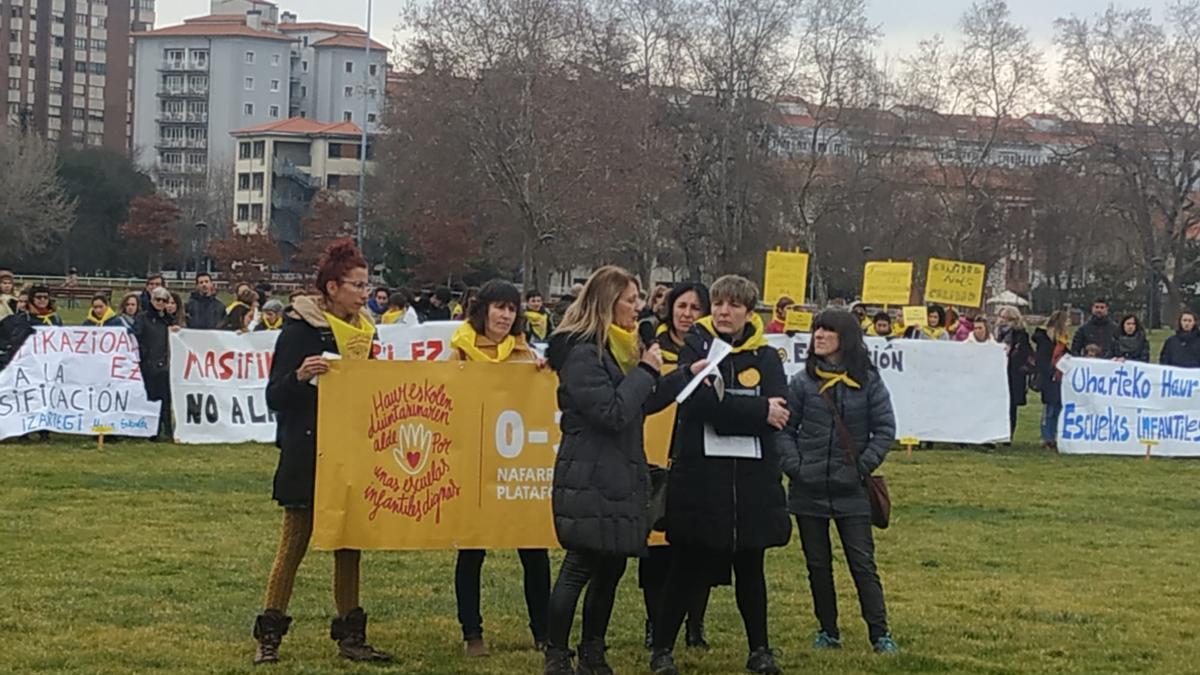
{"x":254,"y":19}
{"x":287,"y":17}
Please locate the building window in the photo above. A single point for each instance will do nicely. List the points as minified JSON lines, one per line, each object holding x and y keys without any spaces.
{"x":374,"y":69}
{"x":260,"y":149}
{"x":371,"y":118}
{"x":348,"y":92}
{"x":244,"y":150}
{"x":349,"y":66}
{"x":274,"y":85}
{"x":273,"y":111}
{"x":174,"y":56}
{"x":243,"y":181}
{"x":304,"y":66}
{"x":275,"y":59}
{"x":249,"y":84}
{"x":243,"y":212}
{"x":256,"y":212}
{"x":333,"y":181}
{"x":81,"y":43}
{"x":99,"y":45}
{"x":247,"y":108}
{"x":259,"y":181}
{"x":197,"y":159}
{"x":372,"y":92}
{"x":249,"y":57}
{"x":303,"y":91}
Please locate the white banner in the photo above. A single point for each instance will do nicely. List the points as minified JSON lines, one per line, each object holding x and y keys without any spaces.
{"x":76,"y":381}
{"x":1113,"y":408}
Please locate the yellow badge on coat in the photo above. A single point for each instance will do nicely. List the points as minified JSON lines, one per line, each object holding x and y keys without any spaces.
{"x":749,"y":377}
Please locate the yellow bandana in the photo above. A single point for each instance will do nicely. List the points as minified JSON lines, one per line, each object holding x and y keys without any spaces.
{"x":624,"y":347}
{"x":391,"y":316}
{"x":756,"y":339}
{"x":668,"y":356}
{"x":108,"y":314}
{"x":539,"y":322}
{"x":832,"y":379}
{"x":353,"y":342}
{"x":47,"y":319}
{"x":464,"y":340}
{"x":273,"y":326}
{"x":234,"y":305}
{"x":933,"y":333}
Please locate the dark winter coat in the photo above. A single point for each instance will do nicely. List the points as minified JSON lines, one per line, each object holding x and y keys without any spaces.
{"x":1049,"y":381}
{"x":14,"y":330}
{"x":152,"y":328}
{"x":204,"y":312}
{"x":722,"y":503}
{"x":601,"y":479}
{"x":822,"y":481}
{"x":1182,"y":350}
{"x":1019,"y":354}
{"x":1101,"y":332}
{"x":1132,"y":347}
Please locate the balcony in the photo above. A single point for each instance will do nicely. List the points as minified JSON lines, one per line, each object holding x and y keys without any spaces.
{"x":183,"y":169}
{"x":286,"y":169}
{"x":179,"y":116}
{"x":183,"y":66}
{"x":193,"y":143}
{"x":184,"y":91}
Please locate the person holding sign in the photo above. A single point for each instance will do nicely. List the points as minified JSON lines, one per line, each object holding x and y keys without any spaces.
{"x":881,"y":326}
{"x":838,"y":387}
{"x":934,"y":328}
{"x":335,"y":322}
{"x":725,"y":499}
{"x":778,"y":322}
{"x":494,"y":333}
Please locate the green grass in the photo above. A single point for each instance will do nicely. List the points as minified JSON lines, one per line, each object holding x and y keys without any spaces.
{"x":146,"y":557}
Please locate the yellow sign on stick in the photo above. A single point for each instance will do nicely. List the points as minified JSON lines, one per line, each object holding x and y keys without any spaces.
{"x":787,"y":276}
{"x":916,"y":316}
{"x":798,"y":321}
{"x":953,"y":282}
{"x":887,"y":283}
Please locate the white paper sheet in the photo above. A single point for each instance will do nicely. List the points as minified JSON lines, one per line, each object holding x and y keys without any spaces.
{"x":717,"y":352}
{"x":737,"y":447}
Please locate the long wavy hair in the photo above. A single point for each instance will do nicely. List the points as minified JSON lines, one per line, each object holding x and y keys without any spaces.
{"x":588,"y":318}
{"x":855,"y":358}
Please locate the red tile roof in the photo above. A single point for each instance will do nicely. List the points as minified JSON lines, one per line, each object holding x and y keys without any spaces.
{"x":353,"y":41}
{"x":214,"y":26}
{"x":321,"y":25}
{"x":301,"y":126}
{"x":217,"y":18}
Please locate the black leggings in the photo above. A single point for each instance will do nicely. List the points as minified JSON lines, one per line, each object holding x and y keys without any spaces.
{"x":692,"y":573}
{"x":859,"y":545}
{"x":653,"y":572}
{"x":600,"y":574}
{"x":467,"y":572}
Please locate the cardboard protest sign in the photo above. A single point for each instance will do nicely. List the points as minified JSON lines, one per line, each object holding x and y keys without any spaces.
{"x":887,"y":283}
{"x":786,"y":276}
{"x":953,"y":282}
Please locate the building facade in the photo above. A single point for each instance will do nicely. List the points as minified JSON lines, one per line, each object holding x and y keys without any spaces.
{"x":333,"y":79}
{"x":69,"y":75}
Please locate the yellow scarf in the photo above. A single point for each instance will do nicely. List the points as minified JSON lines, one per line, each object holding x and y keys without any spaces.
{"x":539,"y":322}
{"x":933,"y":333}
{"x":832,"y":379}
{"x":234,"y":305}
{"x":353,"y":342}
{"x":668,"y":356}
{"x":108,"y":314}
{"x":756,"y":339}
{"x":273,"y":326}
{"x":623,"y":344}
{"x":464,"y":340}
{"x":391,"y":316}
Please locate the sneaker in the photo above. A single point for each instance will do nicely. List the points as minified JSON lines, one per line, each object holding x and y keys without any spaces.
{"x":475,"y":648}
{"x":762,"y":661}
{"x":826,"y":641}
{"x":886,"y":645}
{"x":662,"y":662}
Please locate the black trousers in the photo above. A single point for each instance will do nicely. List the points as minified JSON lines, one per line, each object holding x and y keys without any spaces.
{"x":467,"y":572}
{"x":653,"y":571}
{"x":692,"y":573}
{"x":600,"y":574}
{"x":859,"y":544}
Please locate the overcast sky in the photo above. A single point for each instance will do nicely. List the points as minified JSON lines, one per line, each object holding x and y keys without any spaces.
{"x":904,"y":22}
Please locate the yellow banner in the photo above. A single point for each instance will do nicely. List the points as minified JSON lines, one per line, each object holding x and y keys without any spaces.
{"x":887,"y":283}
{"x":798,"y":321}
{"x":953,"y":282}
{"x":439,"y":455}
{"x":787,"y":275}
{"x":916,"y":316}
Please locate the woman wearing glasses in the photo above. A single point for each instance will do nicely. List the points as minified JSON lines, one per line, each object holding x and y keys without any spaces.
{"x":151,"y":328}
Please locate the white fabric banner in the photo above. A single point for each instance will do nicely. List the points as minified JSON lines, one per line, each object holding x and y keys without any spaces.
{"x":1113,"y":408}
{"x":76,"y":381}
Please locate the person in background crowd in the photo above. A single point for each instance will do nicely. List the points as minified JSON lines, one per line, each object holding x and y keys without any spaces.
{"x":152,"y":282}
{"x":958,"y":326}
{"x":243,"y":295}
{"x":439,"y":305}
{"x":337,"y":321}
{"x":536,"y":317}
{"x":686,"y":303}
{"x":400,"y":310}
{"x":100,"y":314}
{"x":725,"y":499}
{"x":859,"y":310}
{"x":495,"y":333}
{"x":238,"y":320}
{"x":881,"y":326}
{"x":263,"y":288}
{"x":174,"y":305}
{"x":1182,"y":349}
{"x":838,"y":381}
{"x":15,"y":328}
{"x":272,"y":316}
{"x":601,"y":481}
{"x":1093,"y":352}
{"x":565,"y":301}
{"x":70,"y":284}
{"x":1015,"y":338}
{"x":41,"y":307}
{"x":8,"y":301}
{"x":1132,"y":344}
{"x":778,"y":322}
{"x":1099,"y":330}
{"x":1051,"y":342}
{"x":934,"y":328}
{"x":151,"y":328}
{"x":981,"y":331}
{"x":204,"y":311}
{"x":378,"y":303}
{"x":129,"y":308}
{"x":469,"y":298}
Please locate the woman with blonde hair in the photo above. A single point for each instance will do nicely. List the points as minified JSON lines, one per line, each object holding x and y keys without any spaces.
{"x":1051,"y":341}
{"x":1012,"y":334}
{"x":607,"y":385}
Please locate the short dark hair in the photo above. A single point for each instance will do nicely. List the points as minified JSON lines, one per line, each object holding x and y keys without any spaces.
{"x":398,"y":299}
{"x":940,"y":311}
{"x":443,"y":293}
{"x":1186,"y":312}
{"x":533,"y":293}
{"x":850,"y":342}
{"x":100,"y":296}
{"x":1100,"y":301}
{"x":156,"y":275}
{"x":200,"y":275}
{"x":678,"y":291}
{"x":881,"y":316}
{"x":496,"y":292}
{"x":385,"y":289}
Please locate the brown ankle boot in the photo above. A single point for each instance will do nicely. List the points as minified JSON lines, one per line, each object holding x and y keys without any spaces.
{"x":269,"y":629}
{"x":350,"y":632}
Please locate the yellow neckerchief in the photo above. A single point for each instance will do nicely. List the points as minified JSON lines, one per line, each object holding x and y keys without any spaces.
{"x":539,"y":322}
{"x":391,"y":316}
{"x":933,"y":333}
{"x":108,"y":314}
{"x":753,"y":342}
{"x":273,"y":326}
{"x":464,"y":340}
{"x":623,"y":344}
{"x":832,"y":379}
{"x":865,"y":322}
{"x":456,"y":311}
{"x":897,"y":330}
{"x":234,"y":305}
{"x":668,"y":356}
{"x":1063,"y":339}
{"x":47,"y":318}
{"x":953,"y":327}
{"x":353,"y":342}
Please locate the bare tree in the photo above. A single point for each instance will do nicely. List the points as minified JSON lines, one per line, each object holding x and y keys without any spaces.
{"x":34,"y":210}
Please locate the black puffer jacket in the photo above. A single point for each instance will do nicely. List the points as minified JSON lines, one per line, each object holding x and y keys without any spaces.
{"x":723,"y":503}
{"x":1182,"y":350}
{"x":601,"y":480}
{"x":1100,"y":332}
{"x":151,"y":329}
{"x":1132,"y":347}
{"x":204,"y":312}
{"x":823,"y":483}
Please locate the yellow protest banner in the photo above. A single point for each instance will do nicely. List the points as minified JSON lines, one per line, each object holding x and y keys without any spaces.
{"x":915,"y":316}
{"x":798,"y":321}
{"x":438,"y":455}
{"x":953,"y":282}
{"x":887,"y":283}
{"x":786,"y":276}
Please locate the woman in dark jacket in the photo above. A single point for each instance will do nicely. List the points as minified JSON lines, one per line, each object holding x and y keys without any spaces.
{"x":601,"y":481}
{"x":334,"y":322}
{"x":151,"y":329}
{"x":1182,"y":349}
{"x":41,"y":307}
{"x":1013,"y":336}
{"x":1131,"y":344}
{"x":1051,"y":342}
{"x":824,"y":484}
{"x":725,"y":498}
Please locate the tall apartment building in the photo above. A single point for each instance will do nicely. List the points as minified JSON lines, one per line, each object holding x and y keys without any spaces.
{"x":69,"y":70}
{"x":328,"y":73}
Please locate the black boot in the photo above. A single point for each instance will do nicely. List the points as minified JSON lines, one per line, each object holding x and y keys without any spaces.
{"x":558,"y":662}
{"x":762,"y":660}
{"x":269,"y":629}
{"x":649,"y":634}
{"x":350,"y":632}
{"x":591,"y":659}
{"x":695,"y":632}
{"x":662,"y":662}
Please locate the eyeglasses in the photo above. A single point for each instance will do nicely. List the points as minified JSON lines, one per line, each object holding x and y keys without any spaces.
{"x":357,"y":285}
{"x":158,"y":299}
{"x":41,"y":296}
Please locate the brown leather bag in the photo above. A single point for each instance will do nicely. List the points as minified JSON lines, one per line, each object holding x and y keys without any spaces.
{"x":877,"y":489}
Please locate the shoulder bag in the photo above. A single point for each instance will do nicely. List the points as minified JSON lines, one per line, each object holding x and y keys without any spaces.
{"x":876,"y":486}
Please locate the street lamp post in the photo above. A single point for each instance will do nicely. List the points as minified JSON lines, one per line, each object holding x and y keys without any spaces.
{"x":360,"y":229}
{"x":200,"y":242}
{"x":1153,"y":312}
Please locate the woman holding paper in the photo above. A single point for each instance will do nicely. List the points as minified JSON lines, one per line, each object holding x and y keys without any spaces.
{"x":334,"y":322}
{"x":839,"y":394}
{"x":494,"y":332}
{"x":725,"y":498}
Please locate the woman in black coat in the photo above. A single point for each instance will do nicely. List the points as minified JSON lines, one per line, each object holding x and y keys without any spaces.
{"x":1051,"y":342}
{"x":607,"y":385}
{"x":1131,"y":343}
{"x":151,"y":329}
{"x":1015,"y":338}
{"x":725,"y":497}
{"x":824,"y":484}
{"x":334,"y":322}
{"x":1182,"y":349}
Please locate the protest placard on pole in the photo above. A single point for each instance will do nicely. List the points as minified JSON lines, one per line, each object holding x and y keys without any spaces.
{"x":887,"y":283}
{"x":798,"y":321}
{"x":786,"y":276}
{"x":953,"y":282}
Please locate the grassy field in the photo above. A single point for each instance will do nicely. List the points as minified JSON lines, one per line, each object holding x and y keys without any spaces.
{"x":147,"y":557}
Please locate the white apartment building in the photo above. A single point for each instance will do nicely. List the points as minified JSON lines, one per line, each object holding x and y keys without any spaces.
{"x":333,"y":79}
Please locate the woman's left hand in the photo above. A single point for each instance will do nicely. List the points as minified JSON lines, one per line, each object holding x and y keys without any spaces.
{"x":699,"y":366}
{"x":175,"y":329}
{"x":541,"y":364}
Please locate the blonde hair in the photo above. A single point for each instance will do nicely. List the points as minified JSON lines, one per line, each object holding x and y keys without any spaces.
{"x":1013,"y":315}
{"x":1056,"y":324}
{"x":589,"y":317}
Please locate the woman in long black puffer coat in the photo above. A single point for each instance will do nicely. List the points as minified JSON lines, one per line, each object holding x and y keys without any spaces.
{"x":1015,"y":338}
{"x":151,"y":329}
